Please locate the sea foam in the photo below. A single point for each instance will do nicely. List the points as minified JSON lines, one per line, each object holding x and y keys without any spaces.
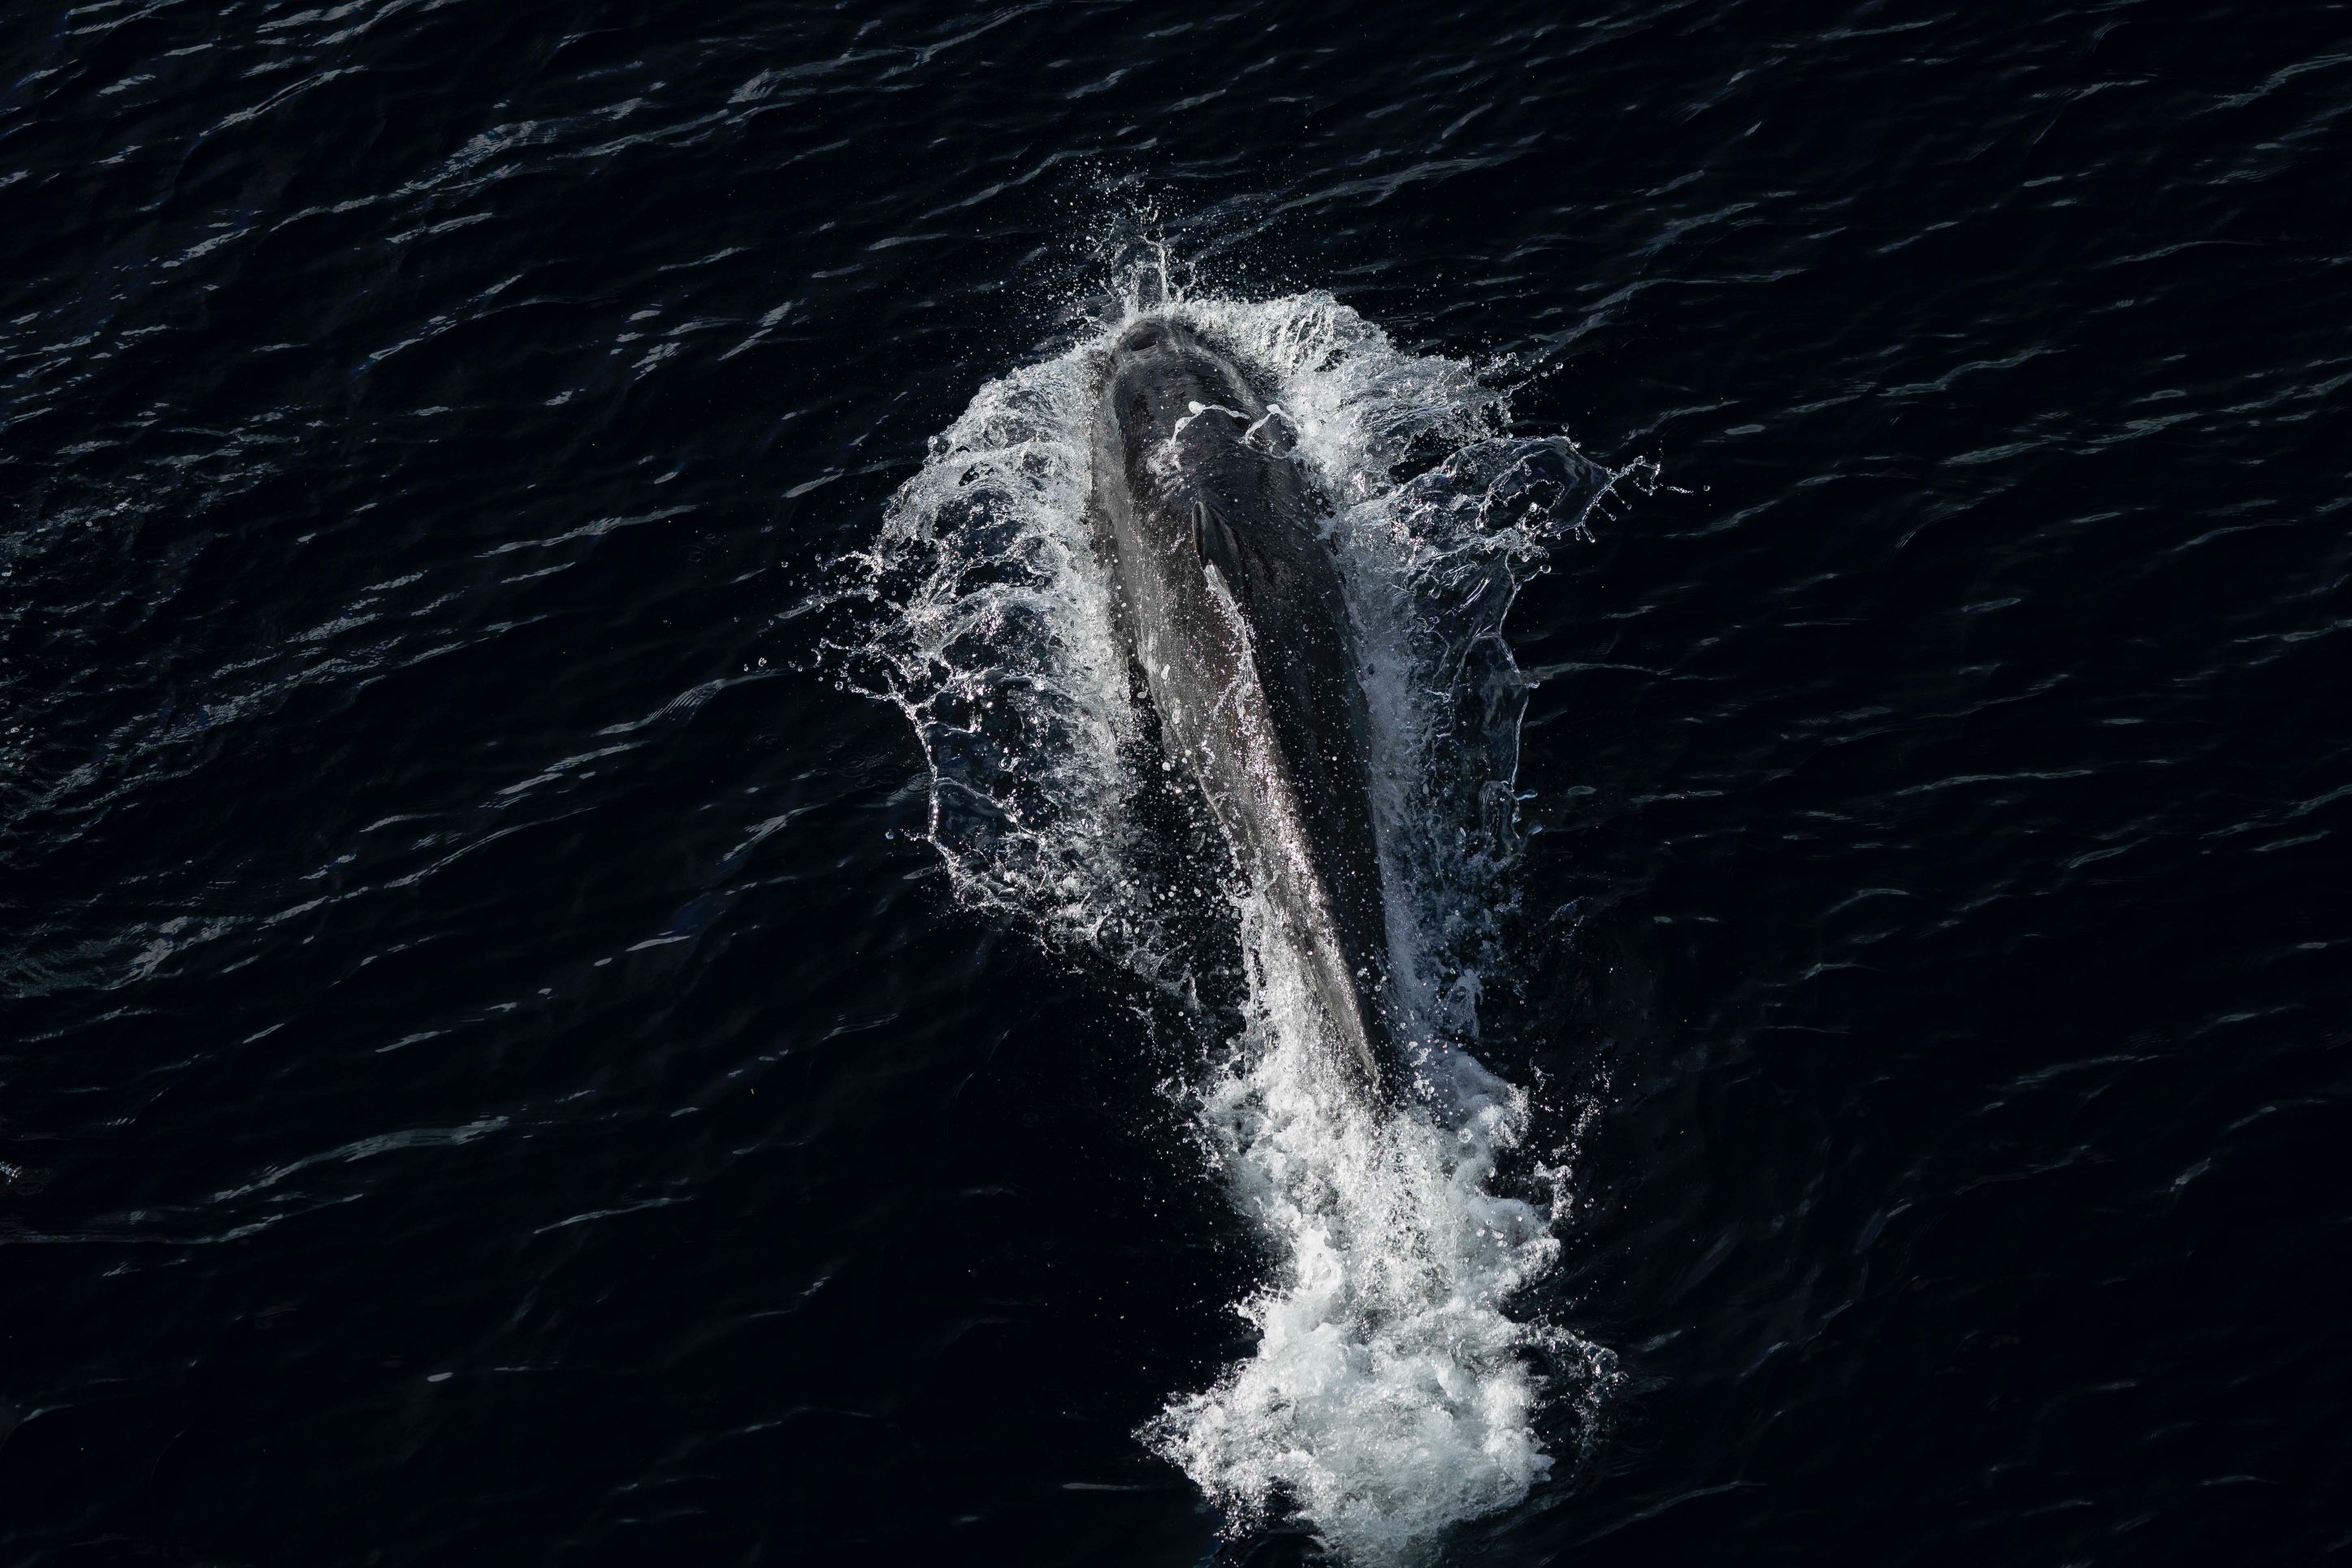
{"x":1393,"y":1391}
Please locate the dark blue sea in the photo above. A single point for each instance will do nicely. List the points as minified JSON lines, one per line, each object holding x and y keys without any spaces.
{"x":596,"y":966}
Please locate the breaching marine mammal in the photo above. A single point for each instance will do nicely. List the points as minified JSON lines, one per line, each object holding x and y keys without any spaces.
{"x":1230,"y":597}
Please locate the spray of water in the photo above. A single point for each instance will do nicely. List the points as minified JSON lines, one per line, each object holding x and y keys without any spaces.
{"x":1392,"y":1392}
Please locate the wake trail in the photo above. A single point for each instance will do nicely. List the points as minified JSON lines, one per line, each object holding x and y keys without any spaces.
{"x":1392,"y":1392}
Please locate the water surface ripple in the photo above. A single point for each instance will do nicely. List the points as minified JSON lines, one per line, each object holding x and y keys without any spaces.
{"x":490,"y":1070}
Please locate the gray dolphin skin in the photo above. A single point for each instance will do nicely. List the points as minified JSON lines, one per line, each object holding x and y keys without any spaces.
{"x":1230,"y":597}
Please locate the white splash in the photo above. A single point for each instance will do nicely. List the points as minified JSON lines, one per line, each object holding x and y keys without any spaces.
{"x":1391,"y":1392}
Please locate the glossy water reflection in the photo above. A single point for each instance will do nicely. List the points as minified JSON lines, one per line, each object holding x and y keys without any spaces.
{"x":487,"y":1068}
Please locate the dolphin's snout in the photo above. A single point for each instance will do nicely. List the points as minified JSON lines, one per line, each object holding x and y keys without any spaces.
{"x":1153,"y":334}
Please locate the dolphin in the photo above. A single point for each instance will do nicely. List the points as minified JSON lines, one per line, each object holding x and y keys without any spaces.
{"x":1228,"y":594}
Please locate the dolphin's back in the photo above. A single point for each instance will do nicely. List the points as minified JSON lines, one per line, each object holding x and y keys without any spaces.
{"x":1206,"y":522}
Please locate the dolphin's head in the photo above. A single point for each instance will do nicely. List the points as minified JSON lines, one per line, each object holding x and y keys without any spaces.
{"x":1160,"y":371}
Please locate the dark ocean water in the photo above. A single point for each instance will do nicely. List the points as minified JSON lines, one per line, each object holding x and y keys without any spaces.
{"x":490,"y":1072}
